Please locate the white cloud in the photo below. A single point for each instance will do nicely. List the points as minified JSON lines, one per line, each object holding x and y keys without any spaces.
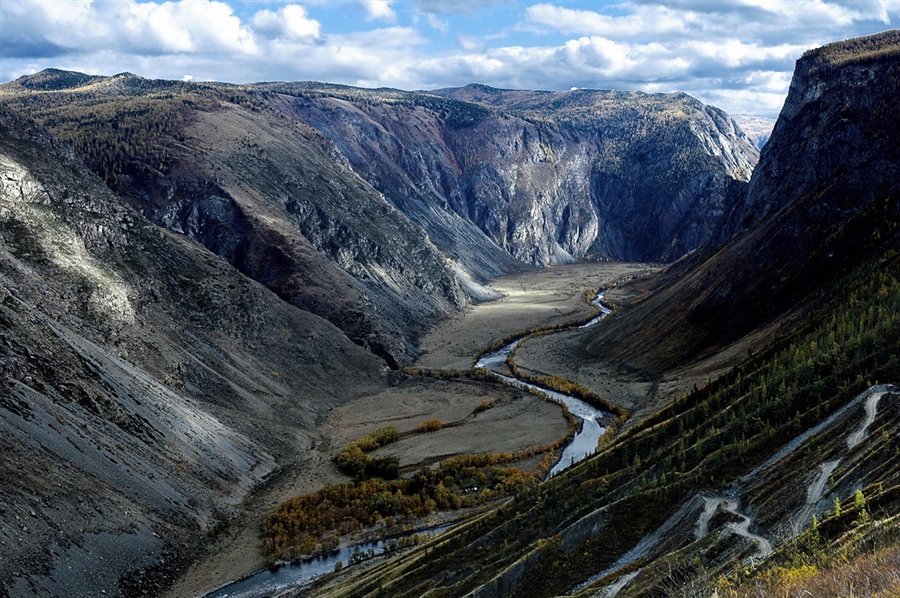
{"x":470,"y":44}
{"x":437,"y":23}
{"x":379,"y":10}
{"x":738,"y":54}
{"x":290,"y":22}
{"x":194,"y":26}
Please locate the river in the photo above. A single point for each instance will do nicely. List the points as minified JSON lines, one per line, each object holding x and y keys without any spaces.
{"x":585,"y":441}
{"x":295,"y":575}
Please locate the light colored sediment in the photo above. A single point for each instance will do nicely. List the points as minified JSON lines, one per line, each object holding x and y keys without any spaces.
{"x":517,"y":421}
{"x":548,"y":297}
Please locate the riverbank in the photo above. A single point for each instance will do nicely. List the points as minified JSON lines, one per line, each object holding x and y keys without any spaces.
{"x":549,"y":297}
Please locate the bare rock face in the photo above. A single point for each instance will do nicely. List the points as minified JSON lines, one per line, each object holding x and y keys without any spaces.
{"x":145,"y":385}
{"x":547,"y":177}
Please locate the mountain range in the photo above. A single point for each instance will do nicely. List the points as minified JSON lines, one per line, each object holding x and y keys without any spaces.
{"x":193,"y":274}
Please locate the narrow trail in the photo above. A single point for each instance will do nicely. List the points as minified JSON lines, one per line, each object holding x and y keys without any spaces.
{"x":711,"y":504}
{"x":815,"y":492}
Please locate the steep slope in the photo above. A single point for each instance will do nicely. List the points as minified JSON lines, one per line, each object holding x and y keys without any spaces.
{"x":698,"y":493}
{"x":821,"y":201}
{"x":147,"y":386}
{"x":270,"y":195}
{"x":548,"y":177}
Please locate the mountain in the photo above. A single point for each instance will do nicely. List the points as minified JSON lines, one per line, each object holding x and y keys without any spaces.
{"x":783,"y":464}
{"x":270,"y":195}
{"x":817,"y":206}
{"x":147,"y":385}
{"x":548,"y":177}
{"x":758,"y":128}
{"x":295,"y":183}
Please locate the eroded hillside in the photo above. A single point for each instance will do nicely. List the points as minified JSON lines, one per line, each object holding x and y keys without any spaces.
{"x":147,"y":385}
{"x":548,"y":177}
{"x":270,"y":195}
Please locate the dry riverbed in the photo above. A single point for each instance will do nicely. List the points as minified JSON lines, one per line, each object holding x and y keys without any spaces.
{"x":555,"y":295}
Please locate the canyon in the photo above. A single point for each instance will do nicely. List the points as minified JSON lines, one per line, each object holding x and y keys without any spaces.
{"x":207,"y":290}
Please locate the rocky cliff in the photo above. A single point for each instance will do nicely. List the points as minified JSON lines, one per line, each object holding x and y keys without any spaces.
{"x":821,"y":201}
{"x":547,"y":177}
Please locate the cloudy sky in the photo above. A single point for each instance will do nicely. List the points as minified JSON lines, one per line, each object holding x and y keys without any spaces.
{"x":736,"y":54}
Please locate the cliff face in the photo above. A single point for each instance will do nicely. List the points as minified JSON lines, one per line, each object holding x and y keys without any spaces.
{"x":546,"y":177}
{"x":145,"y":385}
{"x":822,"y":200}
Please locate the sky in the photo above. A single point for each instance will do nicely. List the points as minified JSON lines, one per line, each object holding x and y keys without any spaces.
{"x":735,"y":54}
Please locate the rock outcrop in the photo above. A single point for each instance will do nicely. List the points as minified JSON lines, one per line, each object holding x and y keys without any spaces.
{"x":547,"y":177}
{"x":821,"y":201}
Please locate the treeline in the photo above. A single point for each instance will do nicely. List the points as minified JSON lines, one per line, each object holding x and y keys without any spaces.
{"x":861,"y":49}
{"x":315,"y":522}
{"x":305,"y":524}
{"x":715,"y":433}
{"x":129,"y":129}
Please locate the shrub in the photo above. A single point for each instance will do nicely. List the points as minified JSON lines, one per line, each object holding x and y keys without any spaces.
{"x":430,"y":425}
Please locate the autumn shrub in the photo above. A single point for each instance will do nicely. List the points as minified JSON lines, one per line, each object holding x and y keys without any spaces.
{"x":430,"y":425}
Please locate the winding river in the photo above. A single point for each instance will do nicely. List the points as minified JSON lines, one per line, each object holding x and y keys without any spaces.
{"x":293,"y":576}
{"x":297,"y":574}
{"x":585,"y":441}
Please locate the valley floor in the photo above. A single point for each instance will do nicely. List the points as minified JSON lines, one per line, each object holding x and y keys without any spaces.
{"x":548,"y":297}
{"x":556,"y":295}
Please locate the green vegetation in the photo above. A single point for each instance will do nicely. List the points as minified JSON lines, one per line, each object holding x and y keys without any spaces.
{"x":859,"y":50}
{"x":354,"y":459}
{"x":315,"y":522}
